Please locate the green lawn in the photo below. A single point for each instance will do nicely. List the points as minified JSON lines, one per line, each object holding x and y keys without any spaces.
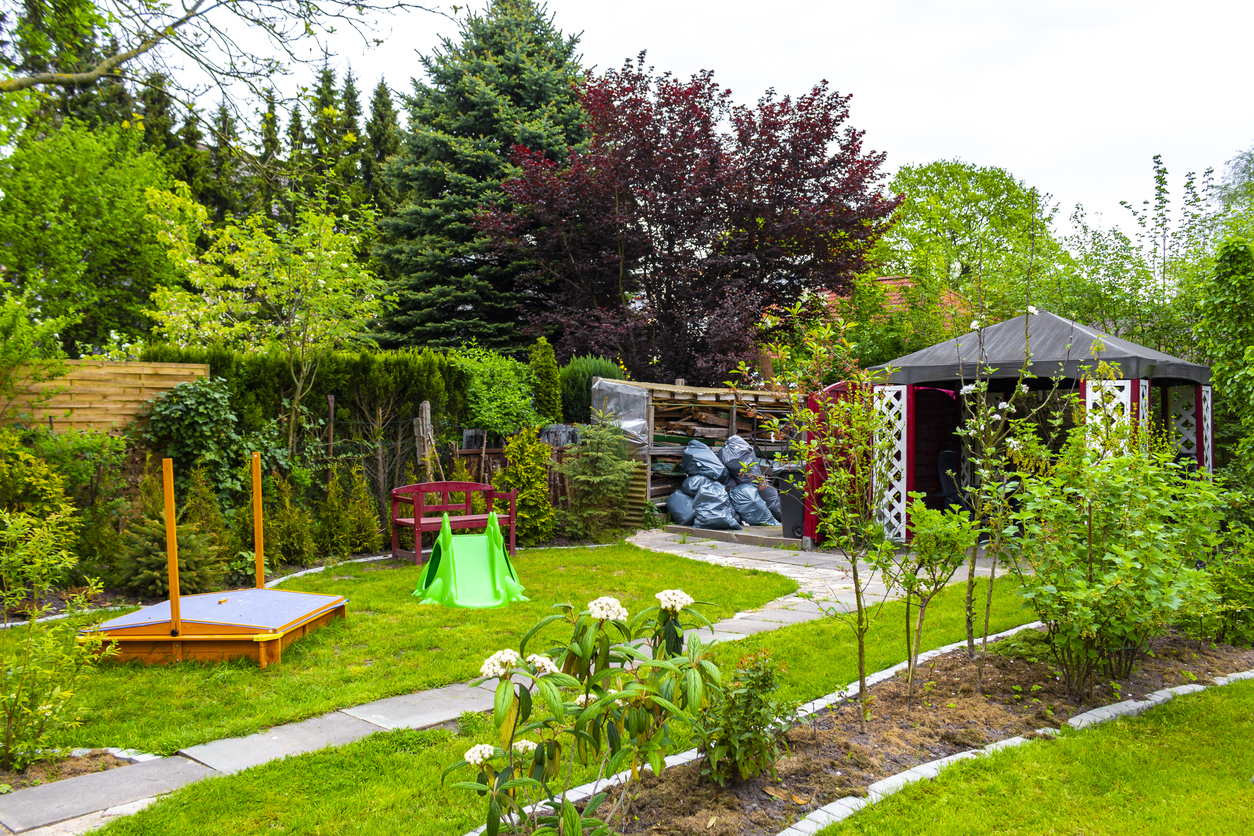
{"x":1184,"y":767}
{"x":388,"y":645}
{"x":390,"y":783}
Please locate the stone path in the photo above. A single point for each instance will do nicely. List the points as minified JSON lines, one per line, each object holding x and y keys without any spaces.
{"x":77,"y":805}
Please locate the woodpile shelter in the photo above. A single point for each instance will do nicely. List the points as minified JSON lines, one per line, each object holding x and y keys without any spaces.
{"x":660,"y":419}
{"x":921,"y":394}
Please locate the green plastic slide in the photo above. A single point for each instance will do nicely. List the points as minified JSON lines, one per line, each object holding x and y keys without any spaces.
{"x":476,"y":575}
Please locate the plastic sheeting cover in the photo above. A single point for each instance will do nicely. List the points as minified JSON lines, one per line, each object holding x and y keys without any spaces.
{"x":625,"y":405}
{"x":700,"y":460}
{"x":679,"y":505}
{"x":750,"y":507}
{"x":714,"y":509}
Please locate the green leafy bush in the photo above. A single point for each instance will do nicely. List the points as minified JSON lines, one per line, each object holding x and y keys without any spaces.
{"x":194,"y":423}
{"x":365,"y":533}
{"x":42,"y":664}
{"x":144,"y":568}
{"x":201,"y":511}
{"x":331,"y":534}
{"x":347,"y":521}
{"x":498,"y":391}
{"x":577,"y":377}
{"x":743,"y":733}
{"x":28,"y":484}
{"x":30,"y":353}
{"x":1106,"y":559}
{"x":528,"y":474}
{"x":598,"y":472}
{"x":546,"y":380}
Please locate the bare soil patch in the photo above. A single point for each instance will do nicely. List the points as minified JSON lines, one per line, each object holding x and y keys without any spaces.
{"x":46,"y":772}
{"x":830,"y":758}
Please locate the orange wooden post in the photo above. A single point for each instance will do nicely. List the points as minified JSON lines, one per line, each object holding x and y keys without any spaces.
{"x":258,"y":538}
{"x":171,"y":545}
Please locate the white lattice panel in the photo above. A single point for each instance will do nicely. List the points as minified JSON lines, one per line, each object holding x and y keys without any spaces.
{"x":1208,"y":436}
{"x":1182,"y":417}
{"x":1144,"y":413}
{"x":1114,"y":395}
{"x":890,"y":401}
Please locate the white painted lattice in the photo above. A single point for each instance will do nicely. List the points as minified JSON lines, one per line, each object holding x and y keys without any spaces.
{"x":1115,"y":395}
{"x":890,"y":402}
{"x":1182,"y":415}
{"x":1144,"y":413}
{"x":1208,"y":437}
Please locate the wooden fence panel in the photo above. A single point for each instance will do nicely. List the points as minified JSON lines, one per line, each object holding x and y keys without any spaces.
{"x":105,"y":395}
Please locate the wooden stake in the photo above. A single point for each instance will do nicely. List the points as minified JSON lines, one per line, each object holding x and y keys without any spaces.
{"x":171,"y":545}
{"x":259,"y":541}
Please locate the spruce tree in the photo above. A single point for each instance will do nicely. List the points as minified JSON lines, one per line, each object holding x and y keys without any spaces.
{"x":298,"y":162}
{"x":223,"y":196}
{"x":189,"y":162}
{"x":347,"y":183}
{"x":157,"y":110}
{"x":270,"y":159}
{"x":510,"y":79}
{"x":383,"y":140}
{"x":325,"y":125}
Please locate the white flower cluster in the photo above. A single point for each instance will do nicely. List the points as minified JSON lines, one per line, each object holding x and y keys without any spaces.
{"x":480,"y":754}
{"x":1003,"y":405}
{"x":1023,"y":387}
{"x":607,"y":609}
{"x":674,"y":599}
{"x":975,"y":325}
{"x":524,"y":747}
{"x":542,"y":664}
{"x":1031,"y":310}
{"x":499,"y":663}
{"x":967,"y":390}
{"x":583,"y":699}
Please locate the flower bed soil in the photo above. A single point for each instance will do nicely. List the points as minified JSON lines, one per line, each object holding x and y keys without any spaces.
{"x":831,"y":758}
{"x":45,"y":772}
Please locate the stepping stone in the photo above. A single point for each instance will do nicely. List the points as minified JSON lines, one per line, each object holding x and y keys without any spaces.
{"x":424,"y":709}
{"x":59,"y":801}
{"x":237,"y":753}
{"x":785,"y":615}
{"x":746,"y":626}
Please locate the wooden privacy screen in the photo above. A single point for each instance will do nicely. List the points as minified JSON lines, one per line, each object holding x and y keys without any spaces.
{"x":105,"y":395}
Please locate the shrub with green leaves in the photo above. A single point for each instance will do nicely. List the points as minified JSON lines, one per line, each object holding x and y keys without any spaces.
{"x":598,"y":472}
{"x":201,"y":511}
{"x":347,"y":522}
{"x":194,"y":422}
{"x":144,"y":569}
{"x":1107,"y":555}
{"x":528,"y":473}
{"x":41,"y":664}
{"x":331,"y":532}
{"x":546,"y":381}
{"x":743,"y":735}
{"x":498,"y":391}
{"x":365,"y":533}
{"x":28,"y":484}
{"x":577,"y":406}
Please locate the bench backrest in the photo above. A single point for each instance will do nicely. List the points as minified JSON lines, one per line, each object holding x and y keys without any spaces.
{"x":418,"y":495}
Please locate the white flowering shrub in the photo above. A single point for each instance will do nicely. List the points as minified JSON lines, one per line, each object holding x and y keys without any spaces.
{"x":611,"y":692}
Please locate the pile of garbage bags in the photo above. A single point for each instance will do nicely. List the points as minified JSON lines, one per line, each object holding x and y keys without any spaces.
{"x":725,"y":489}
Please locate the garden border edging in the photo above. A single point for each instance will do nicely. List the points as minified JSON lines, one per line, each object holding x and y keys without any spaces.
{"x":843,"y":808}
{"x":587,"y":790}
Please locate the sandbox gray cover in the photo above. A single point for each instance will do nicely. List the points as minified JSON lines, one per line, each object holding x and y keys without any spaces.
{"x":1056,"y":344}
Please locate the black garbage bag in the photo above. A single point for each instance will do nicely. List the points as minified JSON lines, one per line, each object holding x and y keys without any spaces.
{"x":713,"y":508}
{"x":700,"y":460}
{"x":679,"y":505}
{"x":771,"y":497}
{"x":694,"y":483}
{"x":737,"y":455}
{"x":749,"y":506}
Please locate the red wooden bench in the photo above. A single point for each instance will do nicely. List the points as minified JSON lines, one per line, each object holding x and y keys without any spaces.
{"x":427,"y":516}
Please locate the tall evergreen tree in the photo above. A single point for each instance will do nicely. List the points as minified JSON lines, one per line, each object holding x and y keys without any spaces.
{"x":348,"y":168}
{"x":189,"y":162}
{"x":510,"y":79}
{"x":297,"y":166}
{"x":224,"y":197}
{"x":383,"y":140}
{"x":270,"y":160}
{"x":325,"y":124}
{"x":157,"y":110}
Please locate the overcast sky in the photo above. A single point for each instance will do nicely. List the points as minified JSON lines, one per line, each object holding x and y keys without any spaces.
{"x":1072,"y":97}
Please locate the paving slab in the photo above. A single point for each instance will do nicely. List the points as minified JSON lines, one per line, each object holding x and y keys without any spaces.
{"x":422,"y":710}
{"x":237,"y":753}
{"x":48,"y":804}
{"x":746,"y":626}
{"x":784,"y":616}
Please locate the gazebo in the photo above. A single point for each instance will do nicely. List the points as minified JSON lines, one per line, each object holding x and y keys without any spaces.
{"x":921,"y":391}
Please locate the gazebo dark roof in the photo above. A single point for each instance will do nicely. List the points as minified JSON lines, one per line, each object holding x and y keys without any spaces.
{"x":1056,"y":344}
